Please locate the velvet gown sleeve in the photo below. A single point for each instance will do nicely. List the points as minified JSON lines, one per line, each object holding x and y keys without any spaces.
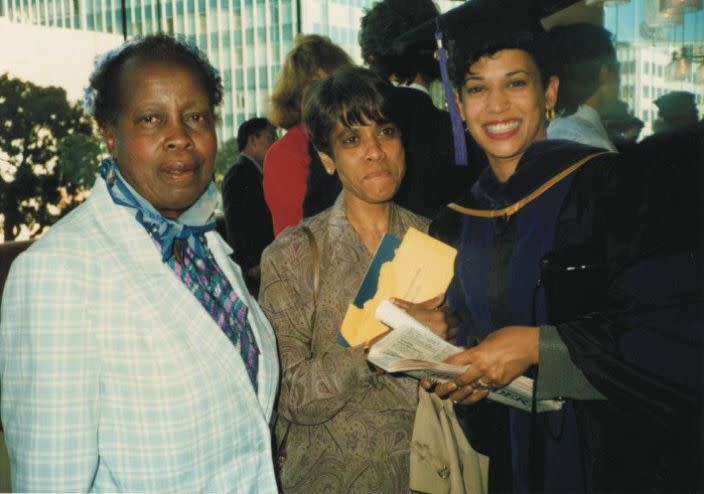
{"x":645,"y":352}
{"x":649,"y":341}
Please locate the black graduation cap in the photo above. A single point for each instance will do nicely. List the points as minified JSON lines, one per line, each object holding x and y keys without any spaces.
{"x":476,"y":22}
{"x":473,"y":27}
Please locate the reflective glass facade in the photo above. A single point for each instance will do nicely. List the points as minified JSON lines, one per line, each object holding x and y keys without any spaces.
{"x":246,"y":40}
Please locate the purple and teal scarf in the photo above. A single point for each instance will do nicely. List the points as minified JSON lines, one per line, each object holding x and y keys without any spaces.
{"x":184,"y":248}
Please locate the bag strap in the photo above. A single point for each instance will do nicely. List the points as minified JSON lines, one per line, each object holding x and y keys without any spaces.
{"x":315,"y":256}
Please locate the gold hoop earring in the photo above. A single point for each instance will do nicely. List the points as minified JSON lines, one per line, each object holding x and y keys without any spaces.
{"x":550,"y":114}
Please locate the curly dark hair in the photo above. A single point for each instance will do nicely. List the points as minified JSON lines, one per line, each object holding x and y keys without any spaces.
{"x":386,"y":21}
{"x":103,"y":94}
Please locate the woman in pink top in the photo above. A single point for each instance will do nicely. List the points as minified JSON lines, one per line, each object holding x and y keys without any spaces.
{"x":287,"y":161}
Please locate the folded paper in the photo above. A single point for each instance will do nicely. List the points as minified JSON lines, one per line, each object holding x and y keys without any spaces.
{"x":415,"y":269}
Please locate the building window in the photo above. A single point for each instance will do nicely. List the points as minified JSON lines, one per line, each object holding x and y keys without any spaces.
{"x":250,"y":78}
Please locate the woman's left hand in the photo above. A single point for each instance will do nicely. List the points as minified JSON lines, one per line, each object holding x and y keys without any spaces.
{"x":431,"y":315}
{"x":500,"y":358}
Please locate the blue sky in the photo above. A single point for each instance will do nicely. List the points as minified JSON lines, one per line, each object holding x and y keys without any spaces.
{"x":624,"y":22}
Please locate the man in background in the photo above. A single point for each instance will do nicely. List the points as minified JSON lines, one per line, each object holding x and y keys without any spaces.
{"x":677,"y":110}
{"x":247,"y":218}
{"x":585,"y":61}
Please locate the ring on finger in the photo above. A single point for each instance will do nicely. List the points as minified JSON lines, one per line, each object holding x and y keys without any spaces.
{"x":468,"y":387}
{"x":485,"y":384}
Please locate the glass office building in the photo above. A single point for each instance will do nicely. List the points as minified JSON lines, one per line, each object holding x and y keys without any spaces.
{"x":246,"y":40}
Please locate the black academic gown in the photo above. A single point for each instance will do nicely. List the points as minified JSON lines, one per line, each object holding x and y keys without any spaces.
{"x":594,"y":255}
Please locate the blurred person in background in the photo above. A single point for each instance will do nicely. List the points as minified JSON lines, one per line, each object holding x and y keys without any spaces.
{"x":247,"y":217}
{"x":585,"y":61}
{"x":676,"y":145}
{"x":677,"y":110}
{"x":287,"y":163}
{"x":622,"y":127}
{"x":132,"y":357}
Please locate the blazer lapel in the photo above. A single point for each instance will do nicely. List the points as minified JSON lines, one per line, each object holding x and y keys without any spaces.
{"x":156,"y":284}
{"x":263,"y":334}
{"x":130,"y":240}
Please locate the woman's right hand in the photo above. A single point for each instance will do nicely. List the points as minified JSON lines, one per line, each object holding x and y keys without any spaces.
{"x":499,"y":359}
{"x":430,"y":313}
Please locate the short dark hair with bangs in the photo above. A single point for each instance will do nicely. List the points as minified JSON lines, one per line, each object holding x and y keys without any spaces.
{"x":350,"y":95}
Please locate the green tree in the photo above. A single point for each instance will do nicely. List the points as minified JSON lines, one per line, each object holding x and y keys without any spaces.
{"x":78,"y":165}
{"x":35,"y":125}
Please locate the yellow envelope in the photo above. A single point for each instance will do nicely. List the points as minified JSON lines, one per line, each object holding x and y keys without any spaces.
{"x":421,"y":268}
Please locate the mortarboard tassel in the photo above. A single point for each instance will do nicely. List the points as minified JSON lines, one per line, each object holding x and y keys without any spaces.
{"x":457,"y":129}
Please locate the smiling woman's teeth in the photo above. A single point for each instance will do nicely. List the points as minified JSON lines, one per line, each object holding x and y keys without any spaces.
{"x":502,"y":127}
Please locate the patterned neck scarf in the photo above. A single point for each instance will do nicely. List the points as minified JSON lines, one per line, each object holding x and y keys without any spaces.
{"x":198,"y":219}
{"x":184,"y":248}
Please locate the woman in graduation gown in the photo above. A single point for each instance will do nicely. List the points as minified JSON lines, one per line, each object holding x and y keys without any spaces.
{"x":575,"y":269}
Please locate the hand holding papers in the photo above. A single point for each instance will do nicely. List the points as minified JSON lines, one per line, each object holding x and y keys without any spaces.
{"x":413,"y":349}
{"x":415,"y":269}
{"x":410,"y":347}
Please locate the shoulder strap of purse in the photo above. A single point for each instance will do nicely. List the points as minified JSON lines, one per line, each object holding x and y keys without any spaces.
{"x":315,"y":256}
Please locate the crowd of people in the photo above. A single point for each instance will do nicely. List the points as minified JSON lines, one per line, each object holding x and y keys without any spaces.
{"x":142,"y":352}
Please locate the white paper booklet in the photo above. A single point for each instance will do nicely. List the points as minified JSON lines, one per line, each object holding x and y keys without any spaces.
{"x":413,"y":349}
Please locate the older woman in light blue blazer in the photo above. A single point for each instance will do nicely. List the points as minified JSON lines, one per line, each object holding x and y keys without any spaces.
{"x":131,"y":355}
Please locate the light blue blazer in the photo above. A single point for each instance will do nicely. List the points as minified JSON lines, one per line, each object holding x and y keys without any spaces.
{"x":113,"y":376}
